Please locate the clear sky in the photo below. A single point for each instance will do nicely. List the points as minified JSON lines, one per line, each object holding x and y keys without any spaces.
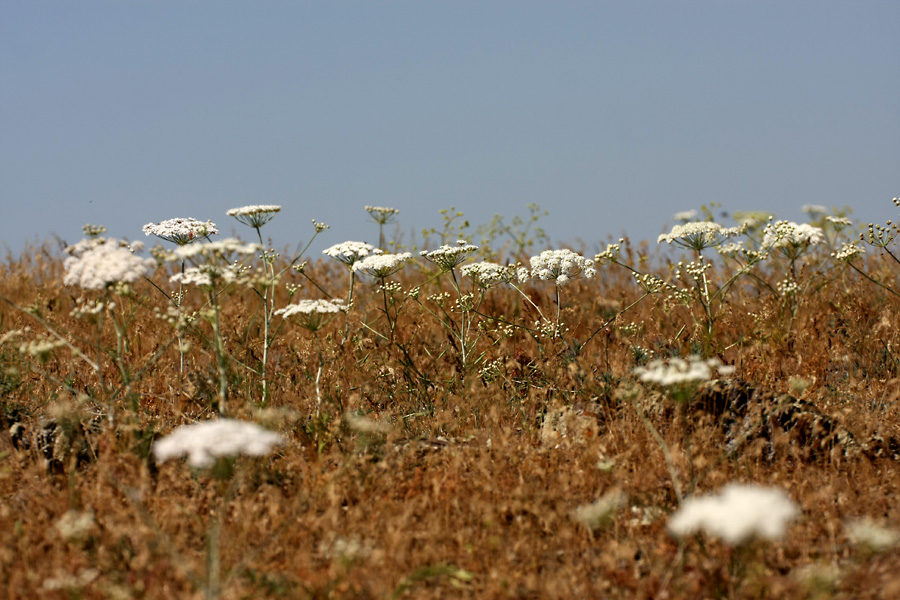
{"x":611,"y":115}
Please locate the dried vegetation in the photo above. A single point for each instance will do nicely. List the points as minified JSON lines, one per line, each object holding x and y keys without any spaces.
{"x":426,"y":477}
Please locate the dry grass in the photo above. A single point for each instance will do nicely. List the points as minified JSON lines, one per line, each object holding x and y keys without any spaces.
{"x":462,"y":494}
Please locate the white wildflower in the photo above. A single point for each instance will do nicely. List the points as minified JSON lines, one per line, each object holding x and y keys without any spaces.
{"x":381,"y":265}
{"x":788,"y":287}
{"x":685,"y":215}
{"x":312,"y":314}
{"x":93,"y":231}
{"x":601,"y":512}
{"x":449,"y":257}
{"x":204,"y":442}
{"x":181,"y":231}
{"x":866,"y":532}
{"x":732,"y":249}
{"x":382,"y":214}
{"x":70,"y":583}
{"x":677,"y":371}
{"x":312,"y":306}
{"x":488,"y":274}
{"x":791,"y":237}
{"x":738,"y":513}
{"x":220,"y":249}
{"x":561,"y":266}
{"x":254,"y":215}
{"x":814,"y":209}
{"x":839,"y":222}
{"x":207,"y":276}
{"x":350,"y":252}
{"x":96,"y":266}
{"x":751,"y":219}
{"x":75,"y":525}
{"x":363,"y":424}
{"x":699,"y":235}
{"x":41,"y":348}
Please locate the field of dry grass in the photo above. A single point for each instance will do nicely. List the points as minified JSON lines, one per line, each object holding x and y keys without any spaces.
{"x":407,"y":471}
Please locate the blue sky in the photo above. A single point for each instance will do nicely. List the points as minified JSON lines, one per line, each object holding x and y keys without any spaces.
{"x":611,"y":115}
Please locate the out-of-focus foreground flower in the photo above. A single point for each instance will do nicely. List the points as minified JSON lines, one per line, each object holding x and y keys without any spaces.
{"x":204,"y":442}
{"x":738,"y":513}
{"x":98,"y":263}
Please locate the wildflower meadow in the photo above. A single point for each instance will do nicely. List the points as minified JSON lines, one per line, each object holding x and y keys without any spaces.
{"x":478,"y":414}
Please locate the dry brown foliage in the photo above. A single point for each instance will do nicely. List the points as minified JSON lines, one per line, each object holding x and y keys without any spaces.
{"x":465,"y":488}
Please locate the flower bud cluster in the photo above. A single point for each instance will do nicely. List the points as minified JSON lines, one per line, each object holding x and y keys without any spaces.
{"x":611,"y":254}
{"x":848,"y":252}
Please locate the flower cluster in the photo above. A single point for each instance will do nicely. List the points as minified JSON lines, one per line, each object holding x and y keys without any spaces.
{"x":205,"y":442}
{"x":382,"y":214}
{"x":306,"y":307}
{"x":208,"y":276}
{"x":699,"y":235}
{"x":685,"y":216}
{"x":871,"y":535}
{"x":449,"y":257}
{"x":254,"y":215}
{"x":737,"y":514}
{"x":561,"y":266}
{"x":312,"y":314}
{"x":181,"y":231}
{"x":221,"y":249}
{"x":488,"y":274}
{"x":381,"y":265}
{"x":98,"y":264}
{"x":351,"y":252}
{"x":677,"y":371}
{"x":791,"y":237}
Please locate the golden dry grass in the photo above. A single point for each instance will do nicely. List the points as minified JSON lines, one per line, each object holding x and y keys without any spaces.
{"x":462,"y":494}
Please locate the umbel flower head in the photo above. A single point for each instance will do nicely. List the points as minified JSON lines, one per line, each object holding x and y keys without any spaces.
{"x":561,"y":266}
{"x":205,"y":442}
{"x":737,"y":514}
{"x":99,"y":263}
{"x":312,"y":314}
{"x":488,"y":274}
{"x":218,"y":250}
{"x":678,"y":371}
{"x":382,"y":214}
{"x":791,"y":238}
{"x":449,"y":257}
{"x":181,"y":231}
{"x":254,"y":215}
{"x":350,"y":252}
{"x":381,"y":265}
{"x":207,"y":276}
{"x":698,"y":235}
